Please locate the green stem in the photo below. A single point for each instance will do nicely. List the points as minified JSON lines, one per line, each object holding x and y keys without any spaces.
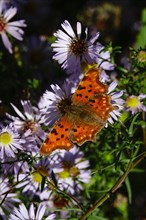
{"x":100,"y":201}
{"x":144,"y":129}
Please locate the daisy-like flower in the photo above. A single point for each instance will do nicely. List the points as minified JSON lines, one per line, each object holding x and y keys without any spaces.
{"x":52,"y":102}
{"x":13,"y":28}
{"x":73,"y":171}
{"x":34,"y":213}
{"x":29,"y":122}
{"x":71,"y":49}
{"x":59,"y":202}
{"x":135,"y":103}
{"x":7,"y":198}
{"x":32,"y":181}
{"x":116,"y":101}
{"x":10,"y":141}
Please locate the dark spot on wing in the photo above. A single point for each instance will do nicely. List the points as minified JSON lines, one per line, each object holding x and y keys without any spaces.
{"x":81,"y":87}
{"x":75,"y":130}
{"x":62,"y":136}
{"x":86,"y":96}
{"x":66,"y":129}
{"x":57,"y":139}
{"x":54,"y":132}
{"x":80,"y":95}
{"x":91,"y":100}
{"x":60,"y":125}
{"x":90,"y":90}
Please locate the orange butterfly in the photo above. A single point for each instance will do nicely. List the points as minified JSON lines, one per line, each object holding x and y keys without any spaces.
{"x":83,"y":117}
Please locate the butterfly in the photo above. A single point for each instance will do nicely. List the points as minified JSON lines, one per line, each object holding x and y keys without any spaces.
{"x":83,"y":117}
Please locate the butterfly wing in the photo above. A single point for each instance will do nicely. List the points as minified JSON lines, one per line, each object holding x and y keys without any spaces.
{"x":90,"y":110}
{"x":92,"y":120}
{"x":101,"y":105}
{"x":91,"y":96}
{"x":84,"y":132}
{"x":58,"y":138}
{"x":89,"y":86}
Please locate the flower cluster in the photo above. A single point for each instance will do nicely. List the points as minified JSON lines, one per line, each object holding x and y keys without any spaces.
{"x":33,"y":186}
{"x":13,"y":28}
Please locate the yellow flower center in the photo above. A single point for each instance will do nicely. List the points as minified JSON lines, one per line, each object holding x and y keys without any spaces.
{"x":2,"y":24}
{"x":141,"y":56}
{"x":133,"y":102}
{"x":69,"y":170}
{"x":64,"y":174}
{"x":38,"y":175}
{"x":74,"y":171}
{"x":5,"y":138}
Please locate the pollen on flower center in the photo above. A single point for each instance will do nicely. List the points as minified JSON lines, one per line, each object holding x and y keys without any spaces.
{"x":2,"y":24}
{"x":5,"y":138}
{"x":64,"y":174}
{"x":63,"y":105}
{"x":74,"y":171}
{"x":142,"y":56}
{"x":133,"y":102}
{"x":42,"y":170}
{"x":29,"y":125}
{"x":37,"y":177}
{"x":78,"y":47}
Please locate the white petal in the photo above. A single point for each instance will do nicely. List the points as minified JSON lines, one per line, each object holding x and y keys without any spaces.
{"x":15,"y":32}
{"x":6,"y":42}
{"x":18,"y":112}
{"x":40,"y":212}
{"x":67,"y":27}
{"x":79,"y":29}
{"x":10,"y":13}
{"x":31,"y":212}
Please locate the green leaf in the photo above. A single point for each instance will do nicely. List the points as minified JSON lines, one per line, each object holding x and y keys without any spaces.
{"x":141,"y":38}
{"x":131,"y":128}
{"x":128,"y":186}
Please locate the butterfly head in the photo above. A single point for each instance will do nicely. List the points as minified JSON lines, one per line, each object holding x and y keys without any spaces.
{"x":64,"y":105}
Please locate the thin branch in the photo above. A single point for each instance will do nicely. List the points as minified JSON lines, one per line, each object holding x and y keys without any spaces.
{"x":100,"y":201}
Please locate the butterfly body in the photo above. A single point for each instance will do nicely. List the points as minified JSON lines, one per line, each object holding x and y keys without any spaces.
{"x":83,"y":116}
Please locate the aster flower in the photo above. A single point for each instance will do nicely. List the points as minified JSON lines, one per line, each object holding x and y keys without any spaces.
{"x":29,"y":122}
{"x":10,"y":141}
{"x":7,"y":198}
{"x":13,"y":28}
{"x":59,"y":202}
{"x":51,"y":102}
{"x":116,"y":101}
{"x":73,"y":171}
{"x":33,"y":213}
{"x":71,"y":49}
{"x":32,"y":181}
{"x":135,"y":103}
